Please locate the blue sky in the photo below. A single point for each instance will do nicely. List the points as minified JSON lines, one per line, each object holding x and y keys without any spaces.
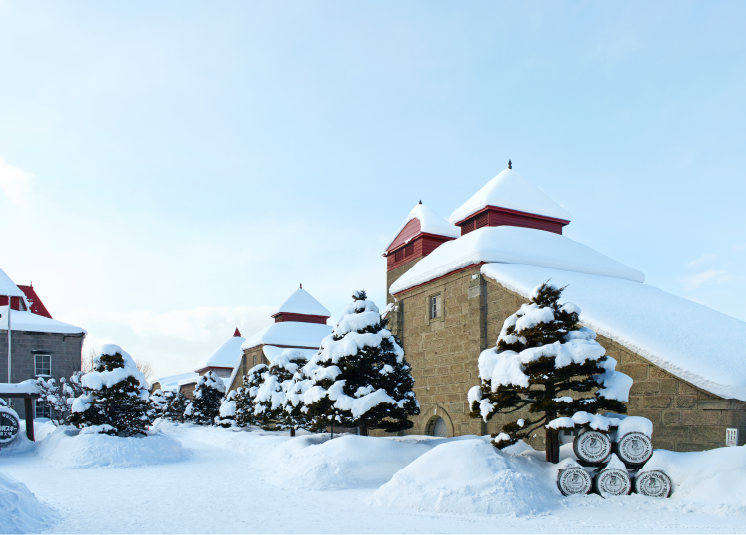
{"x":171,"y":170}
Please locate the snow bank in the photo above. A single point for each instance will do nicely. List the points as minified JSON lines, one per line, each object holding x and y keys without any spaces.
{"x":20,"y":510}
{"x":713,"y":480}
{"x":470,"y":476}
{"x":66,"y":448}
{"x":513,"y":245}
{"x":688,"y":340}
{"x":510,"y":190}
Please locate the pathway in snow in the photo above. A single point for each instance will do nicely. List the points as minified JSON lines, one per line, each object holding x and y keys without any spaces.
{"x":222,"y":488}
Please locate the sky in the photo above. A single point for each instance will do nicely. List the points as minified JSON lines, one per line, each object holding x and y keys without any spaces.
{"x":171,"y":171}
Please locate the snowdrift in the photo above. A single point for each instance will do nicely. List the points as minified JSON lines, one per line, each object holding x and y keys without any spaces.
{"x":20,"y":510}
{"x":471,"y":476}
{"x":66,"y":448}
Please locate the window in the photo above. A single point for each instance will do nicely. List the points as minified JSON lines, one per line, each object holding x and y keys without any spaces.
{"x":254,"y":360}
{"x":435,"y":306}
{"x":399,"y":255}
{"x":43,"y":365}
{"x":409,"y":249}
{"x":42,"y":410}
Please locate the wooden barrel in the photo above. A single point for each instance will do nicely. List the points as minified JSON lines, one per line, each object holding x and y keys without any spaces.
{"x":573,"y":481}
{"x":634,"y":449}
{"x":654,"y":483}
{"x":613,"y":482}
{"x":592,"y":447}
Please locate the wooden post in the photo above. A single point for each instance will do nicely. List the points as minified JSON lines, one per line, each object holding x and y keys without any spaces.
{"x":29,"y":407}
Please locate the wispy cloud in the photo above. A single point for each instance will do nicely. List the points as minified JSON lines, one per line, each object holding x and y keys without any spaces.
{"x":739,"y":247}
{"x":15,"y":183}
{"x":693,"y":282}
{"x":707,"y":257}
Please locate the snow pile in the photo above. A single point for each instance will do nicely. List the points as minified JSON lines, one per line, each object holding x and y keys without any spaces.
{"x":24,"y":387}
{"x":513,"y":245}
{"x":430,"y":222}
{"x":67,"y":448}
{"x":712,"y":480}
{"x":21,"y":511}
{"x":510,"y":190}
{"x":471,"y":476}
{"x":660,"y":327}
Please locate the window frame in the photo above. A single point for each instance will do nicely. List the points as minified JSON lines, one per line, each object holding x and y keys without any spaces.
{"x":44,"y":407}
{"x":435,"y":308}
{"x":36,"y":365}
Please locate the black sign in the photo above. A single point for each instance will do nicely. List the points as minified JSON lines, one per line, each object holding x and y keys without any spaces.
{"x":8,"y":426}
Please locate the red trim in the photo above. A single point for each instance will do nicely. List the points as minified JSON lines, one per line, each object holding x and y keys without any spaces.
{"x":516,"y":212}
{"x":300,"y":318}
{"x":250,"y":349}
{"x":480,"y":264}
{"x":420,"y":235}
{"x":212,"y":368}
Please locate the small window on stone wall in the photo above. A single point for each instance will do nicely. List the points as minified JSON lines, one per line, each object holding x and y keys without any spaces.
{"x":435,"y":306}
{"x":43,"y":364}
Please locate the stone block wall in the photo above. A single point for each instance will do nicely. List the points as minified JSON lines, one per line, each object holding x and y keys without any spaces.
{"x":444,"y":354}
{"x":64,"y":350}
{"x":395,"y":273}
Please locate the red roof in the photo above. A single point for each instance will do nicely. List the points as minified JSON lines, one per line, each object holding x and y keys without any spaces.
{"x":237,"y":333}
{"x":35,"y":304}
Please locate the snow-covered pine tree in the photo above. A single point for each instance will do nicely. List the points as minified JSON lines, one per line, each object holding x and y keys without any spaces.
{"x":177,"y":404}
{"x":208,"y":395}
{"x":245,"y":395}
{"x":227,"y":414}
{"x":542,"y":357}
{"x":359,"y":377}
{"x":272,"y":408}
{"x":159,"y":400}
{"x":116,"y":399}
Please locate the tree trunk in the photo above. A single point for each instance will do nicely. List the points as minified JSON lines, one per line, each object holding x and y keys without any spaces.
{"x":292,"y":431}
{"x":553,"y":446}
{"x":363,"y":431}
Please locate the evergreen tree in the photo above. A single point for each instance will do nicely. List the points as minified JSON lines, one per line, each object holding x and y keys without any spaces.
{"x":207,"y":398}
{"x":115,"y":398}
{"x":159,"y":401}
{"x":547,"y":365}
{"x":227,"y":415}
{"x":246,"y":394}
{"x":177,"y":404}
{"x":360,"y":377}
{"x":271,"y":405}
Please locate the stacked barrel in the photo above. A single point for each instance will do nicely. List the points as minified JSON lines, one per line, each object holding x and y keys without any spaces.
{"x":611,"y":451}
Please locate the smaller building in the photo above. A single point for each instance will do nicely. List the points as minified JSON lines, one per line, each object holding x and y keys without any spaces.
{"x":300,"y":323}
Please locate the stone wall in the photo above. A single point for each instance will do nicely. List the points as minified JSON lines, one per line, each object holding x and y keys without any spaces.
{"x":65,"y":352}
{"x":247,"y":362}
{"x":444,"y":352}
{"x":395,"y":273}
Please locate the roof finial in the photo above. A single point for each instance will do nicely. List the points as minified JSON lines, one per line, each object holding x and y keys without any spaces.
{"x":420,"y":201}
{"x":301,"y":285}
{"x":510,"y":164}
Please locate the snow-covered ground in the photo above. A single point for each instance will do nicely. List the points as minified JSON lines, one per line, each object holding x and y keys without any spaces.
{"x":186,"y":478}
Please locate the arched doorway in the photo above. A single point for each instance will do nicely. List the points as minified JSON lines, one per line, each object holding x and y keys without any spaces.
{"x":437,"y":427}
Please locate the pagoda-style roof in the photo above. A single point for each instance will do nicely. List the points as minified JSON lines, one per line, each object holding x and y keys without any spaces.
{"x":301,"y":306}
{"x":422,"y":220}
{"x":226,"y":355}
{"x":513,"y":195}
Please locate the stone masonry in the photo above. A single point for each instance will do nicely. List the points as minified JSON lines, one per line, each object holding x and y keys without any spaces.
{"x":64,"y":349}
{"x":444,"y":353}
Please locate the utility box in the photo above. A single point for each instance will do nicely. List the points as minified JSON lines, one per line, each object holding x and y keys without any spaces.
{"x":731,"y":437}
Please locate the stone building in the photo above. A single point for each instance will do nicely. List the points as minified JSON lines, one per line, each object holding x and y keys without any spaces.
{"x":687,"y":362}
{"x":300,"y":323}
{"x":40,"y":345}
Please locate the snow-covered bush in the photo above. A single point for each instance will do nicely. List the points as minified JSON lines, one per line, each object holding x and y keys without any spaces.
{"x":542,"y":356}
{"x":57,"y":396}
{"x":272,"y":407}
{"x":246,"y":395}
{"x":160,"y":400}
{"x":207,"y":398}
{"x":115,"y":399}
{"x":227,"y":414}
{"x":359,"y":377}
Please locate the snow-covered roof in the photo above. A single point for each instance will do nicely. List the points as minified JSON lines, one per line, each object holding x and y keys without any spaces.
{"x":28,"y":321}
{"x":289,"y":333}
{"x":24,"y":387}
{"x":510,"y":190}
{"x":187,"y":380}
{"x":430,"y":223}
{"x":273,"y":351}
{"x":171,"y":382}
{"x":513,"y":245}
{"x":8,"y":287}
{"x":302,"y":302}
{"x":695,"y":343}
{"x":226,"y":355}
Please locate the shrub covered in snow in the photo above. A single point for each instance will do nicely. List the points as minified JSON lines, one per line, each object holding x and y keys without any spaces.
{"x":359,"y":377}
{"x":58,"y":396}
{"x":542,"y":356}
{"x":115,"y":399}
{"x":207,"y":398}
{"x":227,"y":415}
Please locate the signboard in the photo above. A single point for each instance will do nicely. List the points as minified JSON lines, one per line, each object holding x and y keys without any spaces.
{"x":9,"y":425}
{"x":731,"y":437}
